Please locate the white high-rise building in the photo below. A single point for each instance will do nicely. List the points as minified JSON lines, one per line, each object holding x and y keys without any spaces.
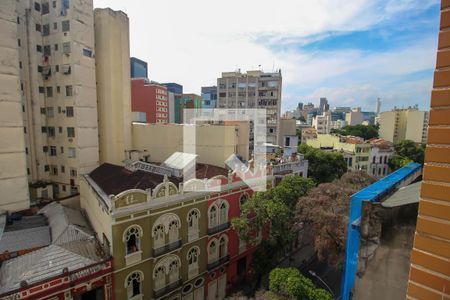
{"x":54,"y":52}
{"x":254,"y":89}
{"x":378,"y":106}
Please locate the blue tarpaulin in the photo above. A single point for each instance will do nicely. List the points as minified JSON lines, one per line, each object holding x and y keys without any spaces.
{"x":372,"y":193}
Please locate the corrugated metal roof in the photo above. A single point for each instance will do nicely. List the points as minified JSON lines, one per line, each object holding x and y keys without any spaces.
{"x":45,"y":263}
{"x":405,"y":195}
{"x":66,"y":224}
{"x":25,"y":239}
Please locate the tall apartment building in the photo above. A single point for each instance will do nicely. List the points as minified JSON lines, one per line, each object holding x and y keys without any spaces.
{"x":429,"y":276}
{"x":174,"y":87}
{"x":323,"y":105}
{"x":209,"y":95}
{"x":404,"y":124}
{"x":138,"y":68}
{"x":112,"y":44}
{"x":151,"y":98}
{"x":13,"y":154}
{"x":354,"y":117}
{"x":254,"y":89}
{"x":185,"y":101}
{"x":55,"y":42}
{"x":322,"y":123}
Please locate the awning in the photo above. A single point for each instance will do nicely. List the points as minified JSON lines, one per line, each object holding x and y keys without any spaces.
{"x":405,"y":195}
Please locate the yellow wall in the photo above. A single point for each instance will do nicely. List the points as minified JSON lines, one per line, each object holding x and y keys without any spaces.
{"x":215,"y":143}
{"x":113,"y":84}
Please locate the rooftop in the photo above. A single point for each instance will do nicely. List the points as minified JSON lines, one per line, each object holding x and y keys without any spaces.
{"x":114,"y":179}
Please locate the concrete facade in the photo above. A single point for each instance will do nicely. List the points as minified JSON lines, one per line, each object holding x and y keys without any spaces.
{"x":354,"y":117}
{"x":112,"y":44}
{"x":254,"y":89}
{"x":322,"y":123}
{"x":13,"y":160}
{"x":151,"y":98}
{"x":214,"y":143}
{"x":57,"y":80}
{"x":404,"y":124}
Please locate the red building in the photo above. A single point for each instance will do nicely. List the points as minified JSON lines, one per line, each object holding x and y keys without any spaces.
{"x":151,"y":98}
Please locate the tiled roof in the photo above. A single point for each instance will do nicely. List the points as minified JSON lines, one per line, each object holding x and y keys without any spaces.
{"x":113,"y":179}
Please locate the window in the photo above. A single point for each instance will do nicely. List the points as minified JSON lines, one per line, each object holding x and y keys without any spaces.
{"x":160,"y":277}
{"x":69,"y":90}
{"x":87,"y":52}
{"x":60,"y":129}
{"x":49,"y":91}
{"x":55,"y":26}
{"x":18,"y":42}
{"x":45,"y":8}
{"x":45,"y":29}
{"x":212,"y":252}
{"x":223,"y":251}
{"x":243,"y":199}
{"x":47,"y":50}
{"x":159,"y":236}
{"x":44,"y":148}
{"x":192,"y":219}
{"x":73,"y":172}
{"x":174,"y":268}
{"x":71,"y":152}
{"x":62,"y":149}
{"x":70,"y":132}
{"x":132,"y":239}
{"x":54,"y":170}
{"x":65,"y":25}
{"x":51,"y":131}
{"x":46,"y":168}
{"x":44,"y":129}
{"x":133,"y":284}
{"x":213,"y":216}
{"x":56,"y":68}
{"x":50,"y":112}
{"x":39,"y":69}
{"x":39,"y":48}
{"x":41,"y":90}
{"x":66,"y":69}
{"x":69,"y":111}
{"x":37,"y":6}
{"x":54,"y":4}
{"x":56,"y":46}
{"x":173,"y":231}
{"x":223,"y":212}
{"x":385,"y":159}
{"x":192,"y":259}
{"x":66,"y":47}
{"x":52,"y":150}
{"x":58,"y":89}
{"x":287,"y":142}
{"x":43,"y":110}
{"x":38,"y":27}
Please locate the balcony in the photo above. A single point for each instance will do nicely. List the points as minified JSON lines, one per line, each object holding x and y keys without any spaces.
{"x":166,"y":248}
{"x":288,"y":167}
{"x":218,"y":228}
{"x":167,"y":289}
{"x":132,"y":258}
{"x":218,"y":262}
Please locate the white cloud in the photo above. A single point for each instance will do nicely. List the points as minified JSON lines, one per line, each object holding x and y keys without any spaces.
{"x":192,"y":42}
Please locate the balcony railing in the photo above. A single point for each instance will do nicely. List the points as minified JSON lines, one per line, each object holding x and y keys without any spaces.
{"x":167,"y":289}
{"x":166,"y":248}
{"x":289,"y":167}
{"x":218,"y":228}
{"x":218,"y":262}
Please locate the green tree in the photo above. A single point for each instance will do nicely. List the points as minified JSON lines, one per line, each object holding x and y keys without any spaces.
{"x":289,"y":283}
{"x":406,"y":151}
{"x":323,"y":166}
{"x":277,"y":208}
{"x":364,"y":131}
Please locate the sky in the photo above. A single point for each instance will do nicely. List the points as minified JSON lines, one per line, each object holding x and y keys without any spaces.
{"x":349,"y":51}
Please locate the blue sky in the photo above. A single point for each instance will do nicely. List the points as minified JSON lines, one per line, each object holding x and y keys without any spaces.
{"x":350,"y":51}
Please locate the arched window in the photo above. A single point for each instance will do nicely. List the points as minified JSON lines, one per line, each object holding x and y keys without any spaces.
{"x":212,"y":252}
{"x":223,"y":212}
{"x":381,"y":159}
{"x":173,"y":231}
{"x":192,"y":219}
{"x":158,"y":236}
{"x":133,"y":284}
{"x":223,"y":247}
{"x":160,"y":277}
{"x":132,"y":239}
{"x":173,"y":271}
{"x":213,"y":216}
{"x":243,"y":199}
{"x":193,"y":256}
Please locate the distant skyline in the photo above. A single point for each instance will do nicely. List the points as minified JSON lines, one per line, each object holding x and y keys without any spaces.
{"x":350,"y":52}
